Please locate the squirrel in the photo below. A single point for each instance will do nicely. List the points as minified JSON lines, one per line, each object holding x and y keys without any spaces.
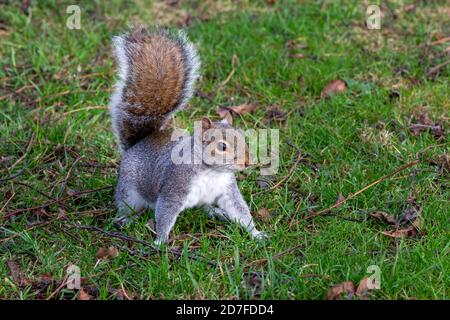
{"x":157,"y":71}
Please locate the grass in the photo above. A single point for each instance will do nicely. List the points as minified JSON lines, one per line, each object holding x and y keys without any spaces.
{"x":55,"y":136}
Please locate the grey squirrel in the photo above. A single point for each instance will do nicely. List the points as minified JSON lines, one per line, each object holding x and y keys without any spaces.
{"x":157,"y":73}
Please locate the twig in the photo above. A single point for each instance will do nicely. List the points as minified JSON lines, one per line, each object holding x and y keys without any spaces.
{"x":77,"y":194}
{"x":12,"y":177}
{"x":85,"y":108}
{"x":351,"y":196}
{"x":63,"y":283}
{"x":124,"y":237}
{"x":203,"y":95}
{"x":64,"y":182}
{"x":437,"y":68}
{"x":277,"y":256}
{"x":7,"y":202}
{"x":28,"y":86}
{"x":434,"y":43}
{"x":63,"y":93}
{"x":29,"y":144}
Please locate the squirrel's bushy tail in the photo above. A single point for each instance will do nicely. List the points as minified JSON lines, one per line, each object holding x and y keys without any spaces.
{"x":157,"y":72}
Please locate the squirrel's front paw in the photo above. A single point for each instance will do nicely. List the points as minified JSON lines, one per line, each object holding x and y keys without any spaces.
{"x":160,"y":241}
{"x":260,"y":236}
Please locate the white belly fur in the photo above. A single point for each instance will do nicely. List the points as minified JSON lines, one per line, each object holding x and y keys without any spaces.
{"x":206,"y":188}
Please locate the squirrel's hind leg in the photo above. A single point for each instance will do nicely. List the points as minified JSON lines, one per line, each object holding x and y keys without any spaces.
{"x":129,"y":204}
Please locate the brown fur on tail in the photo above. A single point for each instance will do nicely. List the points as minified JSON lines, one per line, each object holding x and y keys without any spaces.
{"x":157,"y":72}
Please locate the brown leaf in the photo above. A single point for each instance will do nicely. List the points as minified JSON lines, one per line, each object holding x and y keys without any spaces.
{"x":422,"y":123}
{"x":83,"y":295}
{"x":294,"y":44}
{"x":411,"y":213}
{"x":239,"y":109}
{"x":222,"y":112}
{"x":107,"y":253}
{"x":18,"y":277}
{"x":339,"y":201}
{"x":409,"y":231}
{"x":335,"y":292}
{"x":363,"y":289}
{"x":333,"y":87}
{"x":297,"y":56}
{"x":383,"y":216}
{"x":263,"y":214}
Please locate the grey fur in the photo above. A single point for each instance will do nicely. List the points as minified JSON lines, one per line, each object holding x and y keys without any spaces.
{"x":150,"y":179}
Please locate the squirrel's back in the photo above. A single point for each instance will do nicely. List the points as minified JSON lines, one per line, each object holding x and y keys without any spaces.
{"x":157,"y":72}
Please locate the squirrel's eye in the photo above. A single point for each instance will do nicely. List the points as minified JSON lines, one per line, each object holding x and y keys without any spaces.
{"x":221,"y":146}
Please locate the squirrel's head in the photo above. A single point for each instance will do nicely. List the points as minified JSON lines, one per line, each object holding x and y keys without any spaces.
{"x":224,"y":147}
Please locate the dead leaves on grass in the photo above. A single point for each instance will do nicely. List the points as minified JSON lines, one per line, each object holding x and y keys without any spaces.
{"x":238,"y":109}
{"x":407,"y":226}
{"x":17,"y":275}
{"x":107,"y":253}
{"x":264,"y":214}
{"x":348,"y":290}
{"x":421,"y":122}
{"x":333,"y":87}
{"x":83,"y":295}
{"x":383,"y":216}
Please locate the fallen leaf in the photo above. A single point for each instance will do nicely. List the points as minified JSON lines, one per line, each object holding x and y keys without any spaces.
{"x":409,"y":231}
{"x":422,"y":123}
{"x":18,"y":277}
{"x":264,"y":214}
{"x":295,"y":44}
{"x":107,"y":253}
{"x":363,"y":289}
{"x":383,"y":216}
{"x":239,"y":109}
{"x":411,"y":213}
{"x":333,"y":87}
{"x":297,"y":56}
{"x":222,"y":112}
{"x":335,"y":292}
{"x":83,"y":295}
{"x":339,"y":201}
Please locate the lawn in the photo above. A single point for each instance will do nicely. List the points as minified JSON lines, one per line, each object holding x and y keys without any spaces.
{"x":59,"y":160}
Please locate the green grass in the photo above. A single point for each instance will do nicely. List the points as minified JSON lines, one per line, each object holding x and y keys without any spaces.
{"x":57,"y":82}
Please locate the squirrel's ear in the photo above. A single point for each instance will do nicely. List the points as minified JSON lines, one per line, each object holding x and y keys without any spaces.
{"x":206,"y":124}
{"x":228,"y":119}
